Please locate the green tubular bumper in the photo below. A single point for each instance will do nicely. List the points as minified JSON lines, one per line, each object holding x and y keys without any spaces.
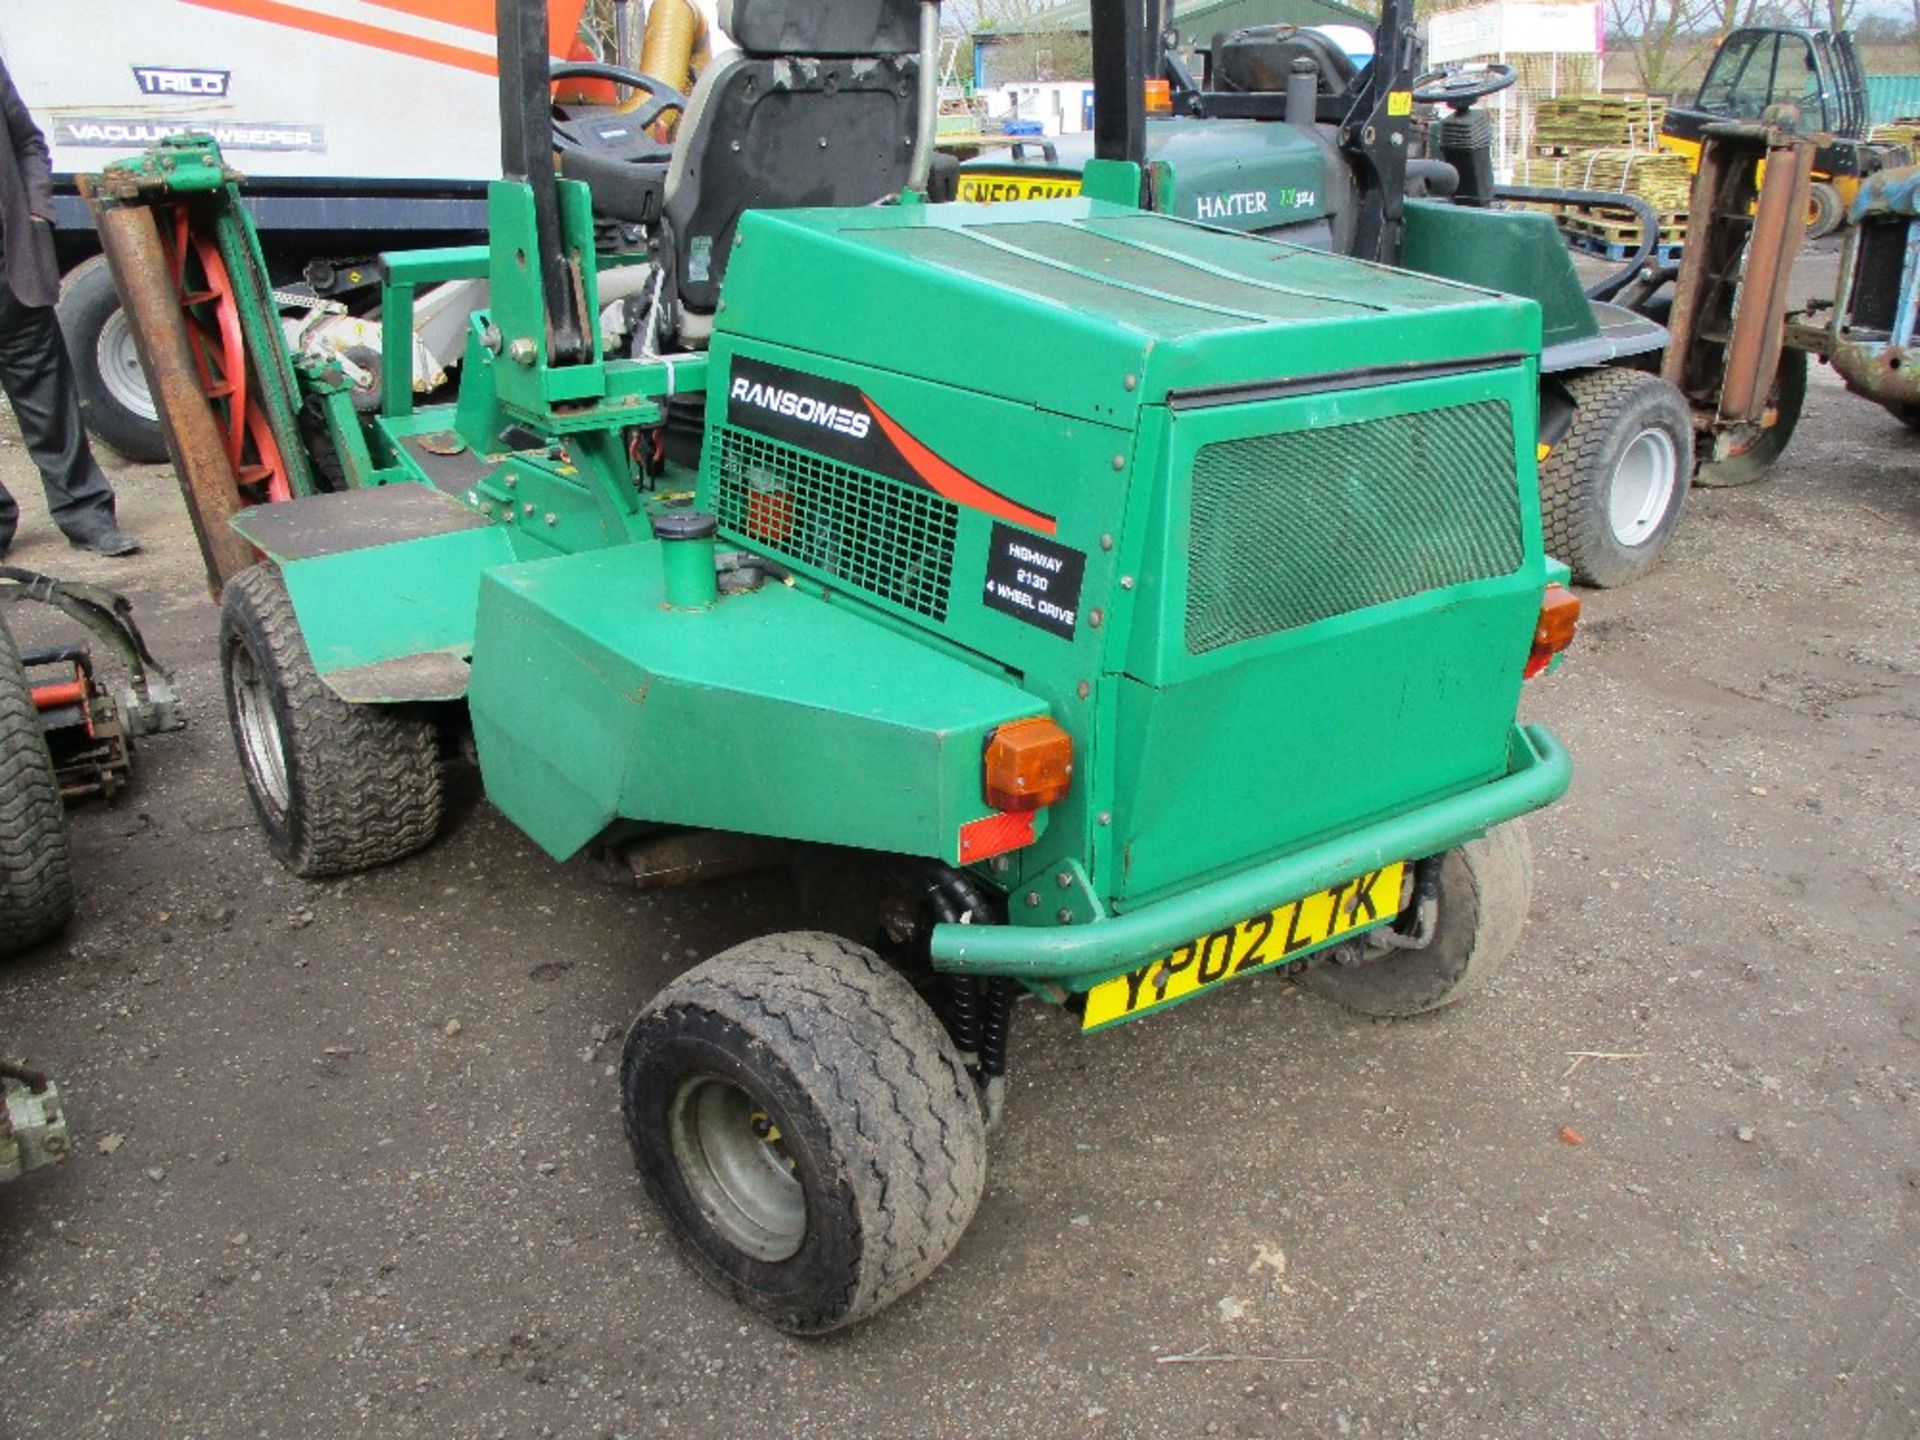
{"x":1538,"y":771}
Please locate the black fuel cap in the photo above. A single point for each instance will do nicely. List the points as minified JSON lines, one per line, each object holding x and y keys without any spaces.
{"x":684,"y":525}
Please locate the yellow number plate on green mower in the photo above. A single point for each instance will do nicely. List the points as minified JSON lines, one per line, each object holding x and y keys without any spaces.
{"x":1283,"y":933}
{"x":984,"y":188}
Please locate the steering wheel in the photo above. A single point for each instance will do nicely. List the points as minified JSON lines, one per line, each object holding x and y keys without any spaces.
{"x":1461,"y":88}
{"x":614,"y":133}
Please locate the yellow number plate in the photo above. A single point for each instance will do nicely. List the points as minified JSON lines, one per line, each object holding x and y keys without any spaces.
{"x":1283,"y":933}
{"x":985,"y":189}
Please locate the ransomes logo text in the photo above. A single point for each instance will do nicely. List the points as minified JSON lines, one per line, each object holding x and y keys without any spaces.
{"x":772,"y":398}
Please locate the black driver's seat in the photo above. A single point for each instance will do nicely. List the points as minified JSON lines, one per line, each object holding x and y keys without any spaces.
{"x":816,"y":108}
{"x":1257,"y":60}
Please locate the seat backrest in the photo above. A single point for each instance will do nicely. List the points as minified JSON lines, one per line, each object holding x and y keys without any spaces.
{"x":1258,"y":59}
{"x":817,"y":109}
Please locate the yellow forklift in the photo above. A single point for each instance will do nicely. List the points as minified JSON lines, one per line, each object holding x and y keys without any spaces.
{"x":1808,"y":81}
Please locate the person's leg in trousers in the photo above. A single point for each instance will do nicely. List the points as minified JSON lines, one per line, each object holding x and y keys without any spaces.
{"x":38,"y":378}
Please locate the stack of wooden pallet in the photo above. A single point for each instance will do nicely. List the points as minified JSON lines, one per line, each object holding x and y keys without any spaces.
{"x":1898,"y":132}
{"x":1608,"y":142}
{"x":1571,"y":124}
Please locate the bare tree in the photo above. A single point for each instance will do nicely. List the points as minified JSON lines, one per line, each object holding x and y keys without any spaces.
{"x":1654,"y":32}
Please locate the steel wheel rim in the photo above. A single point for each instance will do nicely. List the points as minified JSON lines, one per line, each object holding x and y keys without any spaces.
{"x":118,"y":361}
{"x":262,"y":746}
{"x":1643,"y":485}
{"x":737,"y":1168}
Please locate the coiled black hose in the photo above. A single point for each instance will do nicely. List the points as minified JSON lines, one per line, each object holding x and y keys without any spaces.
{"x":995,"y":1027}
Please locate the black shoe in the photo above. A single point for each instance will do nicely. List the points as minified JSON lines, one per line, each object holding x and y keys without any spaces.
{"x":110,"y":541}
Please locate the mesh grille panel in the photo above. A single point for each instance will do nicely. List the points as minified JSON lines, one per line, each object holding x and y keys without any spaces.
{"x":887,"y":538}
{"x":1293,"y":528}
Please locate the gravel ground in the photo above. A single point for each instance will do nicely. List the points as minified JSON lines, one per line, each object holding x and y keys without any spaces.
{"x":349,"y":1160}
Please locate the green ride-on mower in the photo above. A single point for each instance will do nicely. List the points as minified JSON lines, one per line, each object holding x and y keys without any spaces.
{"x":1169,"y":630}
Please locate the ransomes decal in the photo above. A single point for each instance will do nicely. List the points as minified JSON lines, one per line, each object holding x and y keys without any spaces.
{"x":842,"y":421}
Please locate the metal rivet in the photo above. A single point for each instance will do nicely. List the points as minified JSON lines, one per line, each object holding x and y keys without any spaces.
{"x":527,"y":509}
{"x":1001,"y":864}
{"x":1085,"y":690}
{"x":734,"y":145}
{"x":1132,"y":381}
{"x":1064,"y":879}
{"x":1126,"y":582}
{"x":1106,"y":542}
{"x":1097,"y":618}
{"x":1065,"y":917}
{"x":552,"y":519}
{"x":1033,"y":899}
{"x":823,"y":142}
{"x":513,"y":482}
{"x":1106,"y":817}
{"x":487,"y":509}
{"x":1119,"y":462}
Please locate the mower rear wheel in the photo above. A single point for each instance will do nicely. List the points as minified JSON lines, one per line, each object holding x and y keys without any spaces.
{"x":805,"y":1127}
{"x":36,"y":871}
{"x":337,"y":787}
{"x":1612,"y":490}
{"x":1486,"y":888}
{"x":1787,"y":399}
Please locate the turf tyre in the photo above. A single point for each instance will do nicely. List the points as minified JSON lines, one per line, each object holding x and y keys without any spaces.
{"x":1486,"y":888}
{"x":1619,"y":414}
{"x":356,"y":786}
{"x":36,"y":867}
{"x":876,"y":1118}
{"x":115,"y":401}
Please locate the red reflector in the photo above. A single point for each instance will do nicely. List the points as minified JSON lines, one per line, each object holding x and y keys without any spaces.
{"x":1559,"y":617}
{"x":995,"y":834}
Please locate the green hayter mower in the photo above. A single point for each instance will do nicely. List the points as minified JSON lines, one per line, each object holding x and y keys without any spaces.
{"x":1281,"y":135}
{"x":1169,"y":630}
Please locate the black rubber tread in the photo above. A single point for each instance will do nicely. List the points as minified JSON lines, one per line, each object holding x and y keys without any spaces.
{"x":1789,"y":398}
{"x":1486,"y":889}
{"x":862,"y":1079}
{"x":87,"y":301}
{"x":364,"y":782}
{"x":36,"y":868}
{"x":1612,"y":405}
{"x":1825,"y":212}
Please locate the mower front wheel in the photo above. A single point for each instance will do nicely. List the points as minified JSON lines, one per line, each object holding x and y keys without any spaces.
{"x":337,"y":787}
{"x":1485,"y":890}
{"x":36,"y":871}
{"x":805,"y":1127}
{"x":1611,"y":491}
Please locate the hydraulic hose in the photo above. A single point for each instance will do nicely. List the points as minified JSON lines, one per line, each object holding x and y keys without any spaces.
{"x":928,"y":119}
{"x":674,"y":31}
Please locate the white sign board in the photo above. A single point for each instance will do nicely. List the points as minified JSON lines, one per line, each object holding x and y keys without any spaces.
{"x":1483,"y":32}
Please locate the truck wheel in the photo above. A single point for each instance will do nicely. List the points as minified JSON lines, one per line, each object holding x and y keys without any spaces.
{"x":1825,"y":213}
{"x":803,"y":1124}
{"x":36,"y":871}
{"x":1486,"y":887}
{"x":115,"y":402}
{"x":1612,"y":490}
{"x":337,"y":787}
{"x":1787,"y":400}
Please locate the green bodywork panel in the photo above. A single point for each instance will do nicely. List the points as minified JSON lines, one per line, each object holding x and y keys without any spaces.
{"x":773,"y":712}
{"x":1518,"y":251}
{"x":1238,"y":174}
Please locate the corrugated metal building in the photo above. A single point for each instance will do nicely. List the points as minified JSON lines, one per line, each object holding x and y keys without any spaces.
{"x":1053,"y":45}
{"x":1892,"y":97}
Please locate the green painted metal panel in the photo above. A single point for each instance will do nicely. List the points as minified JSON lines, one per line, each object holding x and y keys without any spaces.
{"x":1332,"y":719}
{"x":995,"y":308}
{"x":389,"y":602}
{"x":1517,"y":251}
{"x":770,"y":713}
